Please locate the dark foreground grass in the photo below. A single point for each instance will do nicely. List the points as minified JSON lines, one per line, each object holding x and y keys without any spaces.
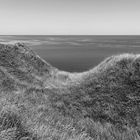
{"x":39,"y":102}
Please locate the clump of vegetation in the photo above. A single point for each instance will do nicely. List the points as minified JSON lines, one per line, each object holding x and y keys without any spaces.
{"x":12,"y":126}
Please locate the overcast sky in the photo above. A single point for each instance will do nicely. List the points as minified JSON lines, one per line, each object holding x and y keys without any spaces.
{"x":70,"y":17}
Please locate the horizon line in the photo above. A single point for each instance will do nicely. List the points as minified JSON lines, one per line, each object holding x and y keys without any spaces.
{"x":69,"y":35}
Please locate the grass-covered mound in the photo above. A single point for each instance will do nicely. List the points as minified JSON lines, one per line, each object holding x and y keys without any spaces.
{"x":39,"y":102}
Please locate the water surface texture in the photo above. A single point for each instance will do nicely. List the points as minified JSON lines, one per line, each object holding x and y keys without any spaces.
{"x":77,"y":53}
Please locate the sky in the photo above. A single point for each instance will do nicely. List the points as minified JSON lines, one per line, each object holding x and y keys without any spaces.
{"x":69,"y":17}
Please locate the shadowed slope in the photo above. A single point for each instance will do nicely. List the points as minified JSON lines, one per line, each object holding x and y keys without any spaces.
{"x":23,"y":65}
{"x":39,"y":102}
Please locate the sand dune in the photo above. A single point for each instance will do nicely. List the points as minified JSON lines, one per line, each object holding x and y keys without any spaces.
{"x":40,"y":102}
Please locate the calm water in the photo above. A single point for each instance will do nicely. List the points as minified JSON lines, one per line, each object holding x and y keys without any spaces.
{"x":77,"y":53}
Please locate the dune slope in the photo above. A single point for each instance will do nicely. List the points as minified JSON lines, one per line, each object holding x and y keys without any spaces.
{"x":39,"y":102}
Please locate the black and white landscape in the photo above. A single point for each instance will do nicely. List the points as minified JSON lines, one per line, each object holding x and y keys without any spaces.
{"x":69,"y":70}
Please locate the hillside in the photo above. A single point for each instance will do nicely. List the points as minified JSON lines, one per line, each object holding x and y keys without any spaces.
{"x":39,"y":102}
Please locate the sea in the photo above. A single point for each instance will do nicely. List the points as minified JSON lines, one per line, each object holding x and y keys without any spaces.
{"x":76,"y":53}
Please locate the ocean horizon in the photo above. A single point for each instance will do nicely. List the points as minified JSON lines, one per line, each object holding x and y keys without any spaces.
{"x":77,"y":53}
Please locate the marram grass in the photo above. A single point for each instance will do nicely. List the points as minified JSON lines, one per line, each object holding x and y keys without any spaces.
{"x":40,"y":102}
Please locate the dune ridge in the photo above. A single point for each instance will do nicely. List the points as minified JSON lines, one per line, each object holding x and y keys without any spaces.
{"x":40,"y":102}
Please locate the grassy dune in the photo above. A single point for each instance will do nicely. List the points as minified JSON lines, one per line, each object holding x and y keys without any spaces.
{"x":39,"y":102}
